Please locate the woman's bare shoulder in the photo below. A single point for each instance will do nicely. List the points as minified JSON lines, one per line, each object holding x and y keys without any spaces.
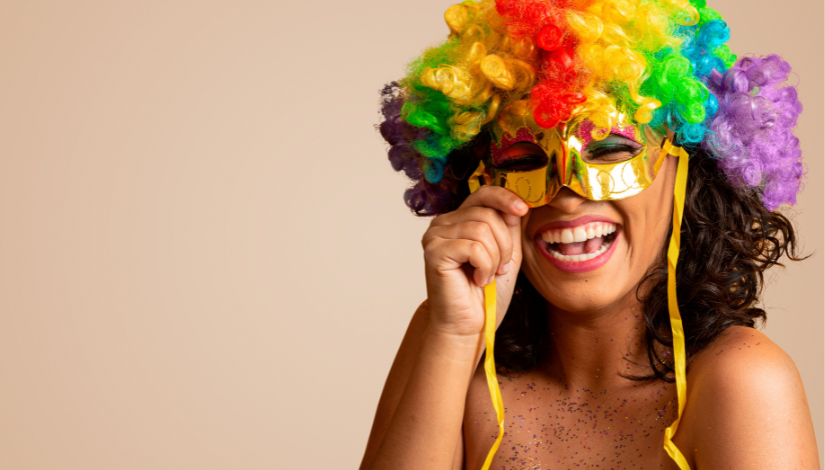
{"x":739,"y":359}
{"x":745,"y":391}
{"x":736,"y":348}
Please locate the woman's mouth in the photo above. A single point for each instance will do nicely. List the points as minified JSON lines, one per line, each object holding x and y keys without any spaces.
{"x":579,"y":248}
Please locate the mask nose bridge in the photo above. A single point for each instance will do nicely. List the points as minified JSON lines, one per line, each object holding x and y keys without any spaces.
{"x":564,"y":172}
{"x":560,"y":167}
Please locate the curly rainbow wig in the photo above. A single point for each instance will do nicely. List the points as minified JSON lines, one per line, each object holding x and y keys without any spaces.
{"x":664,"y":62}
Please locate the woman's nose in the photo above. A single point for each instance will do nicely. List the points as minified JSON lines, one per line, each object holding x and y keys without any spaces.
{"x":566,"y":200}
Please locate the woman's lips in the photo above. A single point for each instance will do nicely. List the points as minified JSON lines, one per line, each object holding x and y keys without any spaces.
{"x":579,"y":245}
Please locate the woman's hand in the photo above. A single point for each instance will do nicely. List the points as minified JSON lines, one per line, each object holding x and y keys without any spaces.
{"x":463,"y":250}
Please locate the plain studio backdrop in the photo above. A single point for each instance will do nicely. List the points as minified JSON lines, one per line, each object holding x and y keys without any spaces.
{"x":205,"y":258}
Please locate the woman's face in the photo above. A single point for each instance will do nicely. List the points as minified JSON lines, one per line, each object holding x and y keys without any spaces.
{"x":589,"y":256}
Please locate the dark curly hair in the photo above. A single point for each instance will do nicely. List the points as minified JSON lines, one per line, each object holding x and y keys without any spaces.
{"x":738,"y":239}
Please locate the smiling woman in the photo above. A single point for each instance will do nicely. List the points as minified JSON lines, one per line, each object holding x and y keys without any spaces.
{"x":605,"y":175}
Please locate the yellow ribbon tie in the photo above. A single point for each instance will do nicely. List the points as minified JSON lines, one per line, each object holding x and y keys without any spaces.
{"x":490,"y":366}
{"x":676,"y":328}
{"x":490,"y":339}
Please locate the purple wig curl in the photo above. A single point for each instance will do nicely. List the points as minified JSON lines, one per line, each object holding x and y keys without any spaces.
{"x":751,"y":135}
{"x":423,"y":198}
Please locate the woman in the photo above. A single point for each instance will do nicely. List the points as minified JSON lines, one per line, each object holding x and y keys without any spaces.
{"x":606,"y":174}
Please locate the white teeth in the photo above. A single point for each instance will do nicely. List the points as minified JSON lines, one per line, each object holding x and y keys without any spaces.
{"x":578,"y":234}
{"x":581,"y":257}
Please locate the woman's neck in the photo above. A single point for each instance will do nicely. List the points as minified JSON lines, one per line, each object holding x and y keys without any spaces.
{"x":590,"y":349}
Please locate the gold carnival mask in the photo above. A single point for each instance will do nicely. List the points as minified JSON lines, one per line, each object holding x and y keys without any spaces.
{"x":570,"y":158}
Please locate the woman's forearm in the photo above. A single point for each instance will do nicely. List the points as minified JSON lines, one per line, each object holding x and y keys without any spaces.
{"x":396,"y":381}
{"x":427,"y":423}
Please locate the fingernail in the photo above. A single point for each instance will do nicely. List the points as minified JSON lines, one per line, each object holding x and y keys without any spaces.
{"x":490,"y":281}
{"x":520,"y":205}
{"x":506,"y":268}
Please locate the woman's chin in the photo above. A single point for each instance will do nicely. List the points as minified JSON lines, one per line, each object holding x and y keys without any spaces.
{"x":585,"y":304}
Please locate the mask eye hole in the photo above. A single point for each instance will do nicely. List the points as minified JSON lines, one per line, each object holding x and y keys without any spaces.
{"x":614,"y":148}
{"x":522,"y":156}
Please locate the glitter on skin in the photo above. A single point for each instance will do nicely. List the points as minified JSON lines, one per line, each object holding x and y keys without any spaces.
{"x":553,"y":424}
{"x":591,"y":429}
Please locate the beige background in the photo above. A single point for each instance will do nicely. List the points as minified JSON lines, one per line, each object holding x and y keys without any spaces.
{"x":205,"y":259}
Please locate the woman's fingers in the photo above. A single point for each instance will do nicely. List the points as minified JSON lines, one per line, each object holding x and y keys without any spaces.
{"x":497,"y":207}
{"x":507,"y":202}
{"x":476,"y":223}
{"x":481,"y":232}
{"x":445,"y":254}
